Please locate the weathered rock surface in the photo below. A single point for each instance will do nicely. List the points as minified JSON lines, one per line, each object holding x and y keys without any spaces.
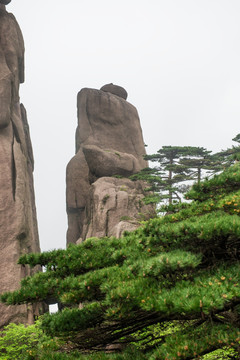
{"x":116,"y":206}
{"x":109,"y":142}
{"x":103,"y":162}
{"x":18,"y":223}
{"x":116,"y":90}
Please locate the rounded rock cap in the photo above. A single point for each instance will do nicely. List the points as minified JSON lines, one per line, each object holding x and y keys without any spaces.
{"x":5,"y":2}
{"x":115,"y":90}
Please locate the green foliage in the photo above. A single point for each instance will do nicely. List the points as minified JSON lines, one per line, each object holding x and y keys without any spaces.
{"x":188,"y":344}
{"x":25,"y":342}
{"x":105,"y":198}
{"x":222,"y":184}
{"x":17,"y":341}
{"x":225,"y":353}
{"x":180,"y":269}
{"x":125,"y":218}
{"x":128,"y":354}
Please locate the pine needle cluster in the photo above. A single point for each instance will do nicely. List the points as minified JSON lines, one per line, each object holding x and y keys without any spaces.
{"x":180,"y":269}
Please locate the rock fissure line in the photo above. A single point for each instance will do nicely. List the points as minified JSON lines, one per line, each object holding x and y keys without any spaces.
{"x":14,"y":175}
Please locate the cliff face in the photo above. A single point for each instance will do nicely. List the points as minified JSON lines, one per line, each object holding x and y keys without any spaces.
{"x":18,"y":223}
{"x":109,"y":142}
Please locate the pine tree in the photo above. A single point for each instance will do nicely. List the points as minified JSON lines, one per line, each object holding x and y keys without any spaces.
{"x":154,"y":184}
{"x":172,"y":172}
{"x":229,"y":156}
{"x":201,"y":164}
{"x":177,"y":166}
{"x":172,"y":285}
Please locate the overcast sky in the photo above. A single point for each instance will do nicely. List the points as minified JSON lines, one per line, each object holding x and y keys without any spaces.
{"x":179,"y":60}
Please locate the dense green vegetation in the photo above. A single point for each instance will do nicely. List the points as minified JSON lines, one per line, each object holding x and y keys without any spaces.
{"x":25,"y":342}
{"x":170,"y":289}
{"x":19,"y":342}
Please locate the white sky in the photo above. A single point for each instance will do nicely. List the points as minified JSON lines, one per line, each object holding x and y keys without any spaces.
{"x":179,"y":60}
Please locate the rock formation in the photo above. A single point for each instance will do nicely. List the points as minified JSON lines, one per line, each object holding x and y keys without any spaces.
{"x":18,"y":222}
{"x":109,"y":145}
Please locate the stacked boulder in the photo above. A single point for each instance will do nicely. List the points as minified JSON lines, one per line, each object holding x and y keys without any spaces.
{"x":101,"y":199}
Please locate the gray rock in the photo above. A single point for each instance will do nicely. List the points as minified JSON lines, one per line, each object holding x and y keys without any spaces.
{"x":18,"y":223}
{"x":109,"y":143}
{"x":115,"y":90}
{"x":108,"y":162}
{"x":116,"y":206}
{"x":5,"y":2}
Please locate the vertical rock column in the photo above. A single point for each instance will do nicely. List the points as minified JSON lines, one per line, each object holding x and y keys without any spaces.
{"x":101,"y":200}
{"x":18,"y":223}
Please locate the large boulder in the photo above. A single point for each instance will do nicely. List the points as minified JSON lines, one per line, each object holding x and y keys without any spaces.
{"x":116,"y":205}
{"x":109,"y":143}
{"x":18,"y":223}
{"x":108,"y":162}
{"x":116,"y":90}
{"x":109,"y":122}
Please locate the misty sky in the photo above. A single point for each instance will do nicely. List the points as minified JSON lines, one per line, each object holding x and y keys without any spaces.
{"x":179,"y":60}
